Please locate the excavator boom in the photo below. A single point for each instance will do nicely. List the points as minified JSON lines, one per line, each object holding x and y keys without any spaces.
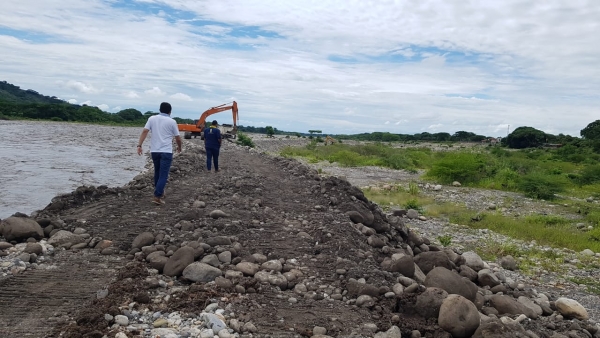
{"x":198,"y":128}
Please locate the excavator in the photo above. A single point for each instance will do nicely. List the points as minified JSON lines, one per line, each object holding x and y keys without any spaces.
{"x":197,"y":129}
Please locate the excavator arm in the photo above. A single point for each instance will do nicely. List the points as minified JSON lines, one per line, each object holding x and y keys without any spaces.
{"x":197,"y":129}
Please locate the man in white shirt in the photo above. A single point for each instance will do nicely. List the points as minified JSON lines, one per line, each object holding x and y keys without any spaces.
{"x":163,"y":129}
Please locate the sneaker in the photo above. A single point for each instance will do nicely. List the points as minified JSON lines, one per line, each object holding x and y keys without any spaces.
{"x":158,"y":201}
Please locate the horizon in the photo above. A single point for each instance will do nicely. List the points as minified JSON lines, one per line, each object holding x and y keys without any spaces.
{"x":344,"y":68}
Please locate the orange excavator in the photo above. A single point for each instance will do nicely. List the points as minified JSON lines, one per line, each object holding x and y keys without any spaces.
{"x":197,"y":129}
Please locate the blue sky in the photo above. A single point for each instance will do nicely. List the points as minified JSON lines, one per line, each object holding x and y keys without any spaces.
{"x":338,"y":66}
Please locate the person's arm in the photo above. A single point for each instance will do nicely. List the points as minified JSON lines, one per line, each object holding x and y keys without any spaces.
{"x":178,"y":141}
{"x":220,"y":139}
{"x":141,"y":141}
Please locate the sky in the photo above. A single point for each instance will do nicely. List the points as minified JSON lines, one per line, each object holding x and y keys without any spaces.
{"x":342,"y":67}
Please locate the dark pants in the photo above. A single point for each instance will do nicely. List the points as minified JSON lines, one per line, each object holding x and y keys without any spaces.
{"x":212,"y":154}
{"x":162,"y":165}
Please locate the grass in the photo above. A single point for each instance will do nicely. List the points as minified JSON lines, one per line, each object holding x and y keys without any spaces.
{"x":554,"y":231}
{"x":592,"y":284}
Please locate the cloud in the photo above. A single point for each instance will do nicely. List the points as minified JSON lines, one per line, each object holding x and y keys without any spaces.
{"x":155,"y":91}
{"x":81,"y":87}
{"x":387,"y":122}
{"x":181,"y":96}
{"x":72,"y":101}
{"x":131,"y":94}
{"x":104,"y":107}
{"x":87,"y":103}
{"x":466,"y":65}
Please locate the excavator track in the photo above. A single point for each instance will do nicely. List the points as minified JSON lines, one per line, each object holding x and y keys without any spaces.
{"x":34,"y":302}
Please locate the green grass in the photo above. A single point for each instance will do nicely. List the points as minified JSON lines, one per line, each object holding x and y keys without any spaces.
{"x":592,"y":284}
{"x":550,"y":230}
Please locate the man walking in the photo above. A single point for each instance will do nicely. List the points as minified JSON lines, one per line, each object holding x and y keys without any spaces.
{"x":212,"y":144}
{"x":163,"y":129}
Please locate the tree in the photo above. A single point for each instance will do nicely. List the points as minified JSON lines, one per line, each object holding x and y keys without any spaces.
{"x":315,"y":132}
{"x":270,"y":131}
{"x":525,"y":137}
{"x":130,"y":114}
{"x":592,"y":131}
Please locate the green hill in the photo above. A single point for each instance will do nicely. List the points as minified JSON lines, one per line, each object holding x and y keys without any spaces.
{"x":14,"y":94}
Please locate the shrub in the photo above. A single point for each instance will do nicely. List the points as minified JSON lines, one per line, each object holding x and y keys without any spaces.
{"x":413,"y":188}
{"x":244,"y":140}
{"x":464,"y":167}
{"x":445,"y":240}
{"x":413,"y":204}
{"x":541,"y":186}
{"x":589,"y":175}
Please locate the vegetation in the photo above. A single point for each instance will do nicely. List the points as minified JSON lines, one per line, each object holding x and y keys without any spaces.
{"x":525,"y":137}
{"x":270,"y":131}
{"x":548,"y":230}
{"x":244,"y":140}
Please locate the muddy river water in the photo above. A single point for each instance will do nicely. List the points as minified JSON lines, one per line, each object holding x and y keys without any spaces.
{"x":39,"y":160}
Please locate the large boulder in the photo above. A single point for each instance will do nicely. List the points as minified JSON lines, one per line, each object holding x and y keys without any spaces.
{"x":451,"y":282}
{"x":65,"y":239}
{"x":142,"y":240}
{"x":571,"y":309}
{"x":157,"y":260}
{"x":508,"y":305}
{"x":357,"y":289}
{"x":486,"y":277}
{"x":358,"y":213}
{"x":473,"y":260}
{"x":21,"y":228}
{"x":496,"y":329}
{"x":179,"y":261}
{"x":403,"y":264}
{"x":431,"y":259}
{"x":459,"y":316}
{"x":201,"y":272}
{"x":429,"y":302}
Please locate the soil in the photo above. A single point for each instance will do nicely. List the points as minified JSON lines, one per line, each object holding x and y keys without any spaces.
{"x":275,"y":206}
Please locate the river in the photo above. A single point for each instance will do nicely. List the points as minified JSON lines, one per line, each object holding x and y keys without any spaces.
{"x":40,"y":160}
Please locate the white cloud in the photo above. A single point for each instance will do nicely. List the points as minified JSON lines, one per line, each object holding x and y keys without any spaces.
{"x":387,"y":122}
{"x":104,"y":107}
{"x":155,"y":91}
{"x":72,"y":101}
{"x":131,"y":94}
{"x":87,"y":103}
{"x":81,"y":87}
{"x":181,"y":96}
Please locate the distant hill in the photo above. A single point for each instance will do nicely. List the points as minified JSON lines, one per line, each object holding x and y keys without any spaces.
{"x":14,"y":94}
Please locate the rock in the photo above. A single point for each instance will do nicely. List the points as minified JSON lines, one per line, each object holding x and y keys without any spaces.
{"x":5,"y":245}
{"x":157,"y":260}
{"x":179,"y":261}
{"x":412,"y":214}
{"x":355,"y":217}
{"x":431,"y":259}
{"x":201,"y":272}
{"x":365,"y":301}
{"x":319,"y":330}
{"x":398,"y":289}
{"x":468,"y":273}
{"x":358,"y":213}
{"x":404,"y":264}
{"x":393,"y":332}
{"x":21,"y":228}
{"x":34,"y":248}
{"x":496,"y":329}
{"x":249,"y":269}
{"x":121,"y":320}
{"x":274,"y":265}
{"x":356,"y":289}
{"x":508,"y":263}
{"x":66,"y":239}
{"x":160,"y":322}
{"x":486,"y":277}
{"x":218,"y":214}
{"x":198,"y":204}
{"x":571,"y":309}
{"x":473,"y":260}
{"x":451,"y":282}
{"x":214,"y":322}
{"x":429,"y":302}
{"x":218,"y":240}
{"x":103,"y":244}
{"x":375,"y":241}
{"x":211,"y":259}
{"x":587,"y":252}
{"x":225,"y":257}
{"x":224,"y":283}
{"x":143,"y":239}
{"x":456,"y":184}
{"x":530,"y":304}
{"x":459,"y":316}
{"x":508,"y":305}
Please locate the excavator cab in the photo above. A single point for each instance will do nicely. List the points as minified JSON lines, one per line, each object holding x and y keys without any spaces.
{"x":197,"y":129}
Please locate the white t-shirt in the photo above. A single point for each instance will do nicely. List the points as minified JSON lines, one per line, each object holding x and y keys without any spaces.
{"x":163,"y":129}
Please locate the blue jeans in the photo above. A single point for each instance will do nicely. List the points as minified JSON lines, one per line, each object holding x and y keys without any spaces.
{"x":212,"y":153}
{"x":162,"y":165}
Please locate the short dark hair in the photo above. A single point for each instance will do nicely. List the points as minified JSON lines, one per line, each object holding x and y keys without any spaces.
{"x":214,"y":122}
{"x":165,"y":108}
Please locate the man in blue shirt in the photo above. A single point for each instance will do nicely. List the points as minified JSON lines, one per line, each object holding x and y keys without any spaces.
{"x":212,"y":144}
